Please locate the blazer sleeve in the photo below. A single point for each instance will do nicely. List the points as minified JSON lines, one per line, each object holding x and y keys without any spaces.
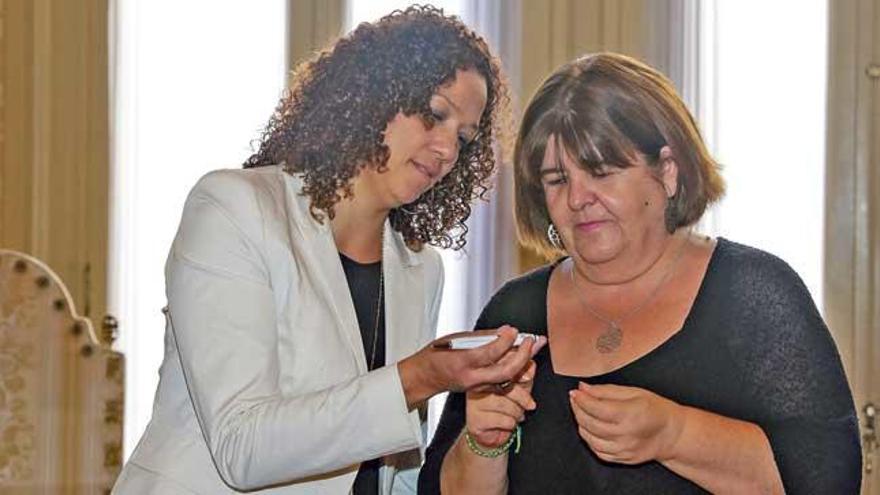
{"x":223,"y":319}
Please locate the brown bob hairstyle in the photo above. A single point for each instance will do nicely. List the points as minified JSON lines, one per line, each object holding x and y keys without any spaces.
{"x":604,"y":109}
{"x":331,"y":122}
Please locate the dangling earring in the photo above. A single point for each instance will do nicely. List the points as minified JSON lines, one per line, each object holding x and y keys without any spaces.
{"x":670,"y":214}
{"x":553,"y":237}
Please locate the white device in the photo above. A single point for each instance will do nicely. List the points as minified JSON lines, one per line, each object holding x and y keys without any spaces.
{"x":471,"y":342}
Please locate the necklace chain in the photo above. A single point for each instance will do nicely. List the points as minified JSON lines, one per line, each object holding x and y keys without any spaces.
{"x":379,"y":299}
{"x":612,"y":336}
{"x":378,"y":316}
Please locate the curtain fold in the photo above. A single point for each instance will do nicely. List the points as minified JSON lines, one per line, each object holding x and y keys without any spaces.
{"x":312,"y":24}
{"x":54,"y":139}
{"x":491,"y":251}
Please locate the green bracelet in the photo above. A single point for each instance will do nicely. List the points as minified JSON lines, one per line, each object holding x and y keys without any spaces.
{"x":497,"y":451}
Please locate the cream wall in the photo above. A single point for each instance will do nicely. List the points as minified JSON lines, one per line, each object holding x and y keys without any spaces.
{"x":54,"y":141}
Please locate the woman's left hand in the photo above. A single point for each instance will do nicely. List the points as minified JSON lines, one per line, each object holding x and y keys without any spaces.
{"x":628,"y":425}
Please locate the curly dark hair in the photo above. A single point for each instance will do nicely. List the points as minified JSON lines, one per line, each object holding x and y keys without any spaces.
{"x":330,"y":124}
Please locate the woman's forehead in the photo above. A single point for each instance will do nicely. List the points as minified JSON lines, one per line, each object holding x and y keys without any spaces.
{"x":467,"y":94}
{"x":555,"y":154}
{"x":583,"y":150}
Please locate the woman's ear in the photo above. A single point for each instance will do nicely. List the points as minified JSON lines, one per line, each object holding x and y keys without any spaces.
{"x":668,"y":171}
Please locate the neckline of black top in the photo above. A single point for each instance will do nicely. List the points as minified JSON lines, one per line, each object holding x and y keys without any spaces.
{"x":351,"y":261}
{"x":663,"y":347}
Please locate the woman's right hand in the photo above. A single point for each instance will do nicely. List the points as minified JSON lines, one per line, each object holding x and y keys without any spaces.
{"x":432,"y":370}
{"x":492,"y":414}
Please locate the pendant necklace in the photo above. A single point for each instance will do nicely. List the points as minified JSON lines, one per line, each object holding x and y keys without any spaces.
{"x":612,"y":335}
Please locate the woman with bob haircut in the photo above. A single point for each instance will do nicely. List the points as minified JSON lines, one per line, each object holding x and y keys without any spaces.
{"x":676,"y":363}
{"x":302,"y":291}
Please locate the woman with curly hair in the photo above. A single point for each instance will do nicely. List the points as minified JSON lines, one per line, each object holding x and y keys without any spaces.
{"x":302,"y":290}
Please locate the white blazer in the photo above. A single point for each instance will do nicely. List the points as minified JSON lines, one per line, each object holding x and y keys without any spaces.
{"x":264,"y":384}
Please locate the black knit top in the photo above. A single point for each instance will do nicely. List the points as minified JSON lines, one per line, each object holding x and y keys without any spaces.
{"x":753,"y":347}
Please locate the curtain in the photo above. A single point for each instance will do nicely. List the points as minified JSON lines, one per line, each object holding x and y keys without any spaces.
{"x":852,"y":189}
{"x":312,"y":24}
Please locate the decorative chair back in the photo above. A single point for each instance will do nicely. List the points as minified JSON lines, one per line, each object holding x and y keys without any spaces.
{"x":61,"y":388}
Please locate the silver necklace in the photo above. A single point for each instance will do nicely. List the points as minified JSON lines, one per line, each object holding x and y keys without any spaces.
{"x":378,"y":298}
{"x":612,"y":335}
{"x":378,"y":316}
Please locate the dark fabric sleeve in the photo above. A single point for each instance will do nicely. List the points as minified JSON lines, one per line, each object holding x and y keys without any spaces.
{"x":448,"y":430}
{"x":794,"y":378}
{"x":519,"y":303}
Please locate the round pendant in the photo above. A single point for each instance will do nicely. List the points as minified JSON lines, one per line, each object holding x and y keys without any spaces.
{"x":610,"y":339}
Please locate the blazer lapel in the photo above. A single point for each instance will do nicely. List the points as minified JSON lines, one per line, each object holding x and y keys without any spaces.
{"x":402,"y":269}
{"x":318,"y":250}
{"x":404,"y":297}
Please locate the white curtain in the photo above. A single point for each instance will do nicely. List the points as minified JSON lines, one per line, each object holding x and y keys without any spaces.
{"x":681,"y":44}
{"x":187,"y":97}
{"x":762,"y":108}
{"x":491,"y":256}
